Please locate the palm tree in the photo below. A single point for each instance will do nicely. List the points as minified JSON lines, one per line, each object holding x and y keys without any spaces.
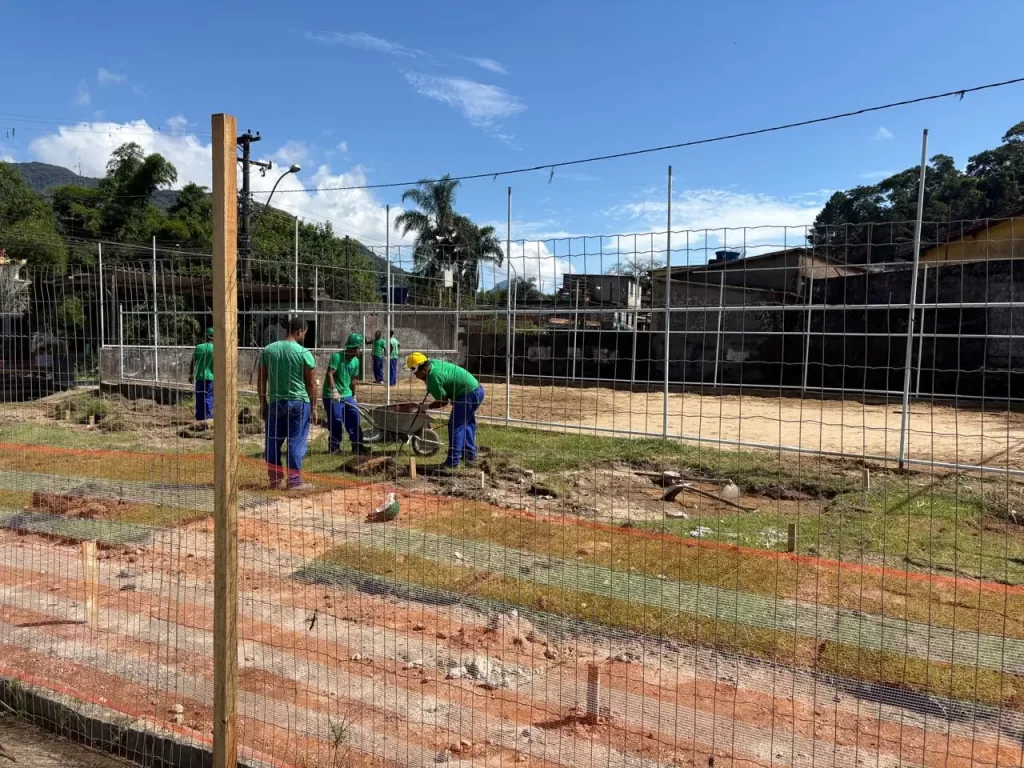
{"x":446,"y":239}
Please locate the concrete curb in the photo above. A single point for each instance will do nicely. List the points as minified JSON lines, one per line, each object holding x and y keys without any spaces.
{"x":106,"y":730}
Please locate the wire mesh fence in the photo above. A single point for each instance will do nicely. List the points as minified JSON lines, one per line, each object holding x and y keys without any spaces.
{"x":691,"y":522}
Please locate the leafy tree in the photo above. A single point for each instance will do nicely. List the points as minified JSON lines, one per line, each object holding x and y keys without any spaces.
{"x":872,"y":223}
{"x":27,"y":230}
{"x":445,"y":239}
{"x":132,"y":179}
{"x":639,"y":269}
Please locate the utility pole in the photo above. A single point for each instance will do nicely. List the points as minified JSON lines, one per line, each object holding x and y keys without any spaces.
{"x":245,"y":141}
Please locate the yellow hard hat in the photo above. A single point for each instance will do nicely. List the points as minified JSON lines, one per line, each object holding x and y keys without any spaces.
{"x":415,"y":360}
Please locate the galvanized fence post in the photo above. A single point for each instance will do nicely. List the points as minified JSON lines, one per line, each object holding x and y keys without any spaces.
{"x":909,"y":357}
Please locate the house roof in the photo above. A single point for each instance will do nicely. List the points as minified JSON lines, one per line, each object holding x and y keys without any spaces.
{"x":740,"y":263}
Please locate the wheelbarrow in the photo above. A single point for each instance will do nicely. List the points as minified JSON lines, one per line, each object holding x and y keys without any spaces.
{"x":404,"y":423}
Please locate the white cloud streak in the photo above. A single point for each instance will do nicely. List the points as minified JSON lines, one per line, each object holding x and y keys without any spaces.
{"x":489,"y":64}
{"x":106,"y":77}
{"x":882,"y":134}
{"x":364,"y":41}
{"x":484,"y":106}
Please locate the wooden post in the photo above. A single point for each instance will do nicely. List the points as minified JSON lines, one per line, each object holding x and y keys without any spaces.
{"x":412,"y":467}
{"x":91,"y":578}
{"x":791,"y":537}
{"x":593,"y":692}
{"x":225,"y":441}
{"x":865,"y":480}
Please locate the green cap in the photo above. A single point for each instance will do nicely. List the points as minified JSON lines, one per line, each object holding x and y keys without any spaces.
{"x":209,"y":333}
{"x":355,"y":341}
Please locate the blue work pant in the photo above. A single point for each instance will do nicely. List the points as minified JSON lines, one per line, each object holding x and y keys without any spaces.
{"x":343,"y":416}
{"x":462,"y":428}
{"x":378,"y":370}
{"x":394,"y":371}
{"x":287,"y":420}
{"x":204,"y":400}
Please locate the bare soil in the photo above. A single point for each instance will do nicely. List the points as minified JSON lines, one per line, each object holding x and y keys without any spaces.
{"x":969,"y":435}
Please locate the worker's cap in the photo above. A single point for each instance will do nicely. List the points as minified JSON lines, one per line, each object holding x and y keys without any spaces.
{"x":355,"y":341}
{"x":415,"y":360}
{"x":209,"y":333}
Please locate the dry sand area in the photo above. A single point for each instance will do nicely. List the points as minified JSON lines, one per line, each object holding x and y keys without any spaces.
{"x":969,"y":435}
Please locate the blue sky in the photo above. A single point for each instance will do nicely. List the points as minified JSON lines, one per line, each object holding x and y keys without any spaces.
{"x":365,"y":93}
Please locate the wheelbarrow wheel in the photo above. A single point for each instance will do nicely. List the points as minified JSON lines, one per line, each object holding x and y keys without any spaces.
{"x":373,"y":435}
{"x":426,"y":442}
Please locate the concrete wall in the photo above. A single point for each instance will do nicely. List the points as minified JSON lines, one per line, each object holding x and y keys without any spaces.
{"x":950,"y":365}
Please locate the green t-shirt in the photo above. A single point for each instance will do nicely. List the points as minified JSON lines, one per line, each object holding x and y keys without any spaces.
{"x":202,"y":362}
{"x":378,"y":347}
{"x":394,"y":348}
{"x":286,"y":363}
{"x":447,"y":380}
{"x":345,"y":372}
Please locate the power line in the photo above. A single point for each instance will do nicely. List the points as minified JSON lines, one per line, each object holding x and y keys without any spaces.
{"x":680,"y":145}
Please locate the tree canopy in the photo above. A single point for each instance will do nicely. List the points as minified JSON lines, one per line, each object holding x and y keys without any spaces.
{"x":870,"y":223}
{"x":129,"y":207}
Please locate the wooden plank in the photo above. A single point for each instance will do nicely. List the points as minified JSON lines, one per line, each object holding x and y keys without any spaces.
{"x":225,"y":441}
{"x":412,"y":467}
{"x":91,"y":579}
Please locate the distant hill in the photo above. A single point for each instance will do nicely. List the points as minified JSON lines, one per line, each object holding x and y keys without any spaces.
{"x":44,"y":178}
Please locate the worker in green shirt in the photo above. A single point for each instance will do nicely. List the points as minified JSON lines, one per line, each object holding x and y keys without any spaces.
{"x":200,"y":373}
{"x":287,"y":387}
{"x":448,"y":384}
{"x":339,"y":397}
{"x":378,"y":357}
{"x":394,"y":359}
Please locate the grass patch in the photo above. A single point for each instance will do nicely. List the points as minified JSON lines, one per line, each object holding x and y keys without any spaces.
{"x":963,"y":607}
{"x":947,"y":680}
{"x":946,"y":524}
{"x":82,"y":409}
{"x":953,"y":681}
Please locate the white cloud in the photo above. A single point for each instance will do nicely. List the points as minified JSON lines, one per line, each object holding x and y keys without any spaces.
{"x":82,"y":95}
{"x":93,"y":142}
{"x":177,"y":123}
{"x":485,"y":106}
{"x":882,"y":134}
{"x":875,"y":175}
{"x":489,"y":64}
{"x":351,"y":212}
{"x":139,"y":90}
{"x":106,"y":77}
{"x":706,"y":219}
{"x":292,"y":152}
{"x":7,"y":159}
{"x":365,"y":42}
{"x":529,"y":259}
{"x":343,"y":146}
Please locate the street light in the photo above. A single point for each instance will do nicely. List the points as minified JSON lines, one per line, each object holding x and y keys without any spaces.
{"x":294,"y":168}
